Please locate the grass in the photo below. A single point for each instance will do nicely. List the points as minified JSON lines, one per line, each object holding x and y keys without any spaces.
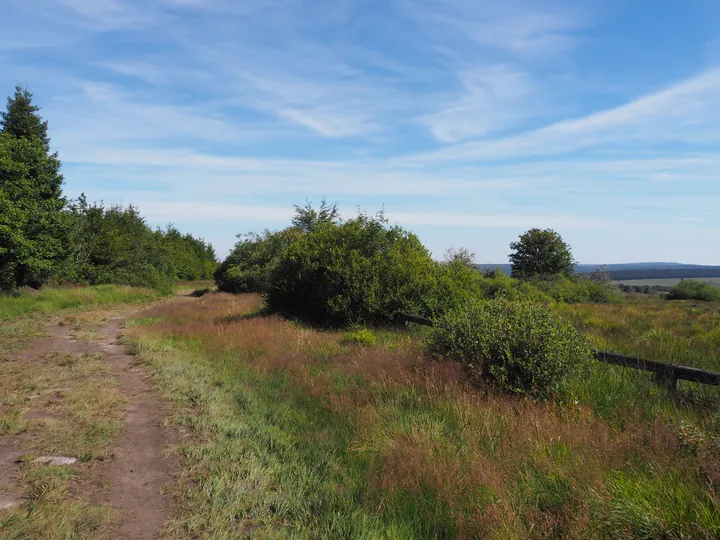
{"x":297,"y":434}
{"x":50,"y":514}
{"x":52,"y":300}
{"x":58,"y":404}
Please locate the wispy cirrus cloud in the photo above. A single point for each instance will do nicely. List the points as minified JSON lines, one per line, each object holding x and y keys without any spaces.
{"x":688,"y":111}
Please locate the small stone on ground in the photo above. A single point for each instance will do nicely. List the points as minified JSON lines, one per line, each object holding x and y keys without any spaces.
{"x":10,"y":500}
{"x":55,"y":460}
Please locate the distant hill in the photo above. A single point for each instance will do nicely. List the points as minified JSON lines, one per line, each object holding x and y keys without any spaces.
{"x":641,"y":270}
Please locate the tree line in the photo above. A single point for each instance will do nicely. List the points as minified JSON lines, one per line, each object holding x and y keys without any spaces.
{"x":45,"y":237}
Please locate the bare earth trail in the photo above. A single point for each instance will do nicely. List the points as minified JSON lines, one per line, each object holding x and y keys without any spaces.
{"x":133,"y":480}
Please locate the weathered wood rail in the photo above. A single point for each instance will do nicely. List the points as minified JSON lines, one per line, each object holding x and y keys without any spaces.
{"x":665,"y":374}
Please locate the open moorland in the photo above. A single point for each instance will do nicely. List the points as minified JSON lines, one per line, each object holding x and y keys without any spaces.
{"x":149,"y":390}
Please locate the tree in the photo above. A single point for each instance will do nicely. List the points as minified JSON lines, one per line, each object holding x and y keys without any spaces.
{"x":21,"y":120}
{"x":461,"y":256}
{"x":32,"y":225}
{"x":307,"y":218}
{"x":541,"y":253}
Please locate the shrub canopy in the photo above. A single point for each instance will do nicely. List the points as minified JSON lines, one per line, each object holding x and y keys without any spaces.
{"x":362,"y":271}
{"x":522,"y":346}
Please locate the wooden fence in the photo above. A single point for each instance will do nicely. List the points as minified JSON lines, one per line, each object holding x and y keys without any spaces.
{"x":665,"y":374}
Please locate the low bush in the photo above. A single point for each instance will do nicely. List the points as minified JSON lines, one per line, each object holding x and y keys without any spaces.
{"x":522,"y":346}
{"x":689,"y":289}
{"x":359,"y":336}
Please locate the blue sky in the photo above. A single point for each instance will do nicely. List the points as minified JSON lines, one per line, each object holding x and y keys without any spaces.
{"x":470,"y":121}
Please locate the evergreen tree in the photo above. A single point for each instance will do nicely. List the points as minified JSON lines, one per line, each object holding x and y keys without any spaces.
{"x":32,"y":224}
{"x":21,"y":120}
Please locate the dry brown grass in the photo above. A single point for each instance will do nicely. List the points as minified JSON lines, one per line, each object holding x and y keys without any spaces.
{"x":505,"y":466}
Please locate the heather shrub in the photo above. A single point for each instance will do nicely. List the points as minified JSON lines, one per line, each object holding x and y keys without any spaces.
{"x":521,"y":346}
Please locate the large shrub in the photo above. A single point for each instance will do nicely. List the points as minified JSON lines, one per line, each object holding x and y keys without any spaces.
{"x":361,"y":271}
{"x":249,"y":265}
{"x":522,"y":346}
{"x":689,"y":289}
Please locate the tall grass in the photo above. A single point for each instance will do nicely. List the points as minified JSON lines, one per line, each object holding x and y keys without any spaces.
{"x":300,"y":433}
{"x":681,"y":333}
{"x":49,"y":300}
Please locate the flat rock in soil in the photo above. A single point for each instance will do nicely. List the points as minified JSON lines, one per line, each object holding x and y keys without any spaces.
{"x":55,"y":460}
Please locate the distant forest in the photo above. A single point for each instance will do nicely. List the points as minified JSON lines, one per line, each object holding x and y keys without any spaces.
{"x":636,"y":271}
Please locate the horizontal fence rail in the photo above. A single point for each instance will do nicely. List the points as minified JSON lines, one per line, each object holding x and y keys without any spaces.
{"x":666,"y":374}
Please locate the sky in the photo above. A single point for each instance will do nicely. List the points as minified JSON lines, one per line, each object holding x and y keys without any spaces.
{"x":467,"y":121}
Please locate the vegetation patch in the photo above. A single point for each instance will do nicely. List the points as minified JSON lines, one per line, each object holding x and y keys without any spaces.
{"x":523,"y":347}
{"x":689,"y":289}
{"x":359,"y":336}
{"x":50,"y":300}
{"x":295,"y":435}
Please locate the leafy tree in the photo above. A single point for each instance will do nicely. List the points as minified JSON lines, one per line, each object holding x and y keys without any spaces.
{"x":115,"y":245}
{"x":21,"y":120}
{"x":193,"y":258}
{"x":307,"y":218}
{"x":541,"y":253}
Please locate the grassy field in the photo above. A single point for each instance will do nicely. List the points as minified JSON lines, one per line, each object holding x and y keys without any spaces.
{"x":668,"y":282}
{"x":300,"y":433}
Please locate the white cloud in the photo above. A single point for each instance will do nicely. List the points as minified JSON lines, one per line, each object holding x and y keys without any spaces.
{"x":671,"y":115}
{"x":493,"y":98}
{"x":527,"y":29}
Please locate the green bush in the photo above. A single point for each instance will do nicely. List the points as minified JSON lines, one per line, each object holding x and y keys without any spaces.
{"x":249,"y":265}
{"x":689,"y":289}
{"x":577,"y":289}
{"x":362,"y":272}
{"x":522,"y":346}
{"x":359,"y":336}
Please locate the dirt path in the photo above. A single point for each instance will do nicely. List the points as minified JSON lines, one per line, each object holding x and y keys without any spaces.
{"x":138,"y":471}
{"x":132,"y":481}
